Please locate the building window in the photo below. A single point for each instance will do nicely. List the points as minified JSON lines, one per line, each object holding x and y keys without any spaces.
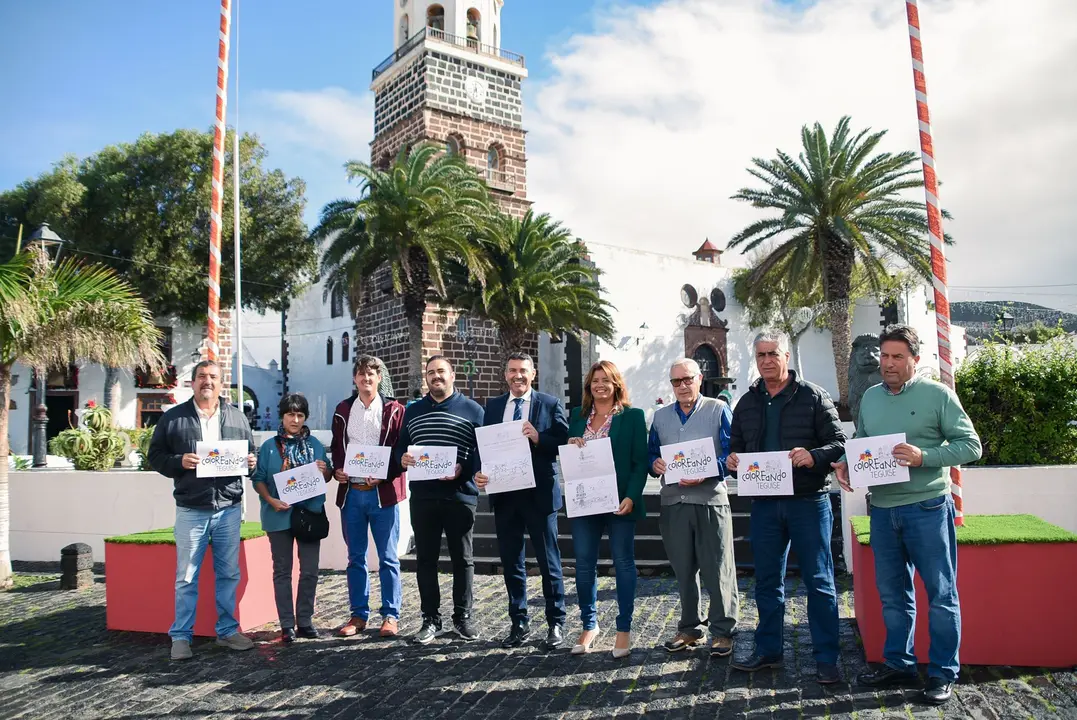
{"x":329,"y":351}
{"x":435,"y":18}
{"x":345,"y":347}
{"x":474,"y":36}
{"x":404,"y":28}
{"x":165,"y":345}
{"x":453,"y":146}
{"x":336,"y":304}
{"x":493,"y":163}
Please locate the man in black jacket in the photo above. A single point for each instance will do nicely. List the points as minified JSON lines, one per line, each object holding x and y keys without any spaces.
{"x":782,"y":413}
{"x":206,"y":508}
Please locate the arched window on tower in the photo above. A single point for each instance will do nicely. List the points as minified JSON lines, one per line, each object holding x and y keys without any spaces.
{"x":329,"y":351}
{"x":336,"y":305}
{"x":453,"y":146}
{"x":493,"y":163}
{"x":474,"y":35}
{"x":404,"y":29}
{"x":345,"y":347}
{"x":435,"y":18}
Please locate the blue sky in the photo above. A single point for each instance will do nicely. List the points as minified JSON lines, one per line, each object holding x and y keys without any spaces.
{"x":642,"y":116}
{"x":88,"y":74}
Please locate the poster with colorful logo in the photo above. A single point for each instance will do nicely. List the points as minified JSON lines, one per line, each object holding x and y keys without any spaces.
{"x":872,"y":462}
{"x":761,"y":474}
{"x":300,"y":483}
{"x":690,"y":460}
{"x":367,"y":461}
{"x":223,"y":458}
{"x":432,"y":462}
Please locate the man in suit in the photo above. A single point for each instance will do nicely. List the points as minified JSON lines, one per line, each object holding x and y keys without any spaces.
{"x":535,"y":509}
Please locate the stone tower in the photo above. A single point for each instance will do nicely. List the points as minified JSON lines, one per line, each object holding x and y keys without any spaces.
{"x":448,"y":82}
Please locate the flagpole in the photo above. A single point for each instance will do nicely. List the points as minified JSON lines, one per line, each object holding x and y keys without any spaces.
{"x":216,"y":189}
{"x":237,"y":345}
{"x":935,"y":233}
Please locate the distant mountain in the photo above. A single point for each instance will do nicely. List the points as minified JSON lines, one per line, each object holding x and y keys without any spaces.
{"x":983,"y":315}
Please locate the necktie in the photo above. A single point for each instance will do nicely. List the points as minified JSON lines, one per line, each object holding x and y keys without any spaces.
{"x":517,"y":412}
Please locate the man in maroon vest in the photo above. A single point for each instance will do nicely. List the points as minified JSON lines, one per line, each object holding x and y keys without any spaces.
{"x":369,"y":418}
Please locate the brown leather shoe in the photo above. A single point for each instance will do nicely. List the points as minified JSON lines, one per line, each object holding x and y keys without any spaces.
{"x":721,"y":646}
{"x":353,"y":626}
{"x":683,"y":641}
{"x":389,"y":628}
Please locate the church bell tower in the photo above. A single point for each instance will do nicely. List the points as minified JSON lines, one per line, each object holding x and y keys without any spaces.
{"x":448,"y":81}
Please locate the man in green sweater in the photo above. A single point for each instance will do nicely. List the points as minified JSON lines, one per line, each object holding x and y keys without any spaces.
{"x":912,"y":523}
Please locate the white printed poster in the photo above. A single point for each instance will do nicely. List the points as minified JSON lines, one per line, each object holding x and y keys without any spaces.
{"x":224,"y":458}
{"x":762,"y":474}
{"x":691,"y":460}
{"x":432,"y":462}
{"x":299,"y":483}
{"x":590,"y":478}
{"x":872,"y":462}
{"x":506,"y":457}
{"x":367,"y":461}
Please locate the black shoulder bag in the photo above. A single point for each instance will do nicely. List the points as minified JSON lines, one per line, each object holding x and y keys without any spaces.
{"x":307,"y":526}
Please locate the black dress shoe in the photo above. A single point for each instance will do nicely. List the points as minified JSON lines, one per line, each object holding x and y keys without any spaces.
{"x":937,"y":692}
{"x":307,"y":633}
{"x":287,"y":635}
{"x":756,"y":663}
{"x":517,"y":635}
{"x":887,"y":676}
{"x":827,"y":674}
{"x":554,"y":638}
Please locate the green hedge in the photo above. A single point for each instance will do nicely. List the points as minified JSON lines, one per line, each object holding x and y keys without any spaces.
{"x":988,"y":530}
{"x":1023,"y":402}
{"x":166,"y":536}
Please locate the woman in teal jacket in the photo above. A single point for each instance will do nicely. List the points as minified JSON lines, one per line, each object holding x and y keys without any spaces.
{"x":605,"y":412}
{"x":297,"y":446}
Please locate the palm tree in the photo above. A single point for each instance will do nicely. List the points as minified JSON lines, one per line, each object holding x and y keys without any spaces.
{"x":838,"y":207}
{"x":52,"y":315}
{"x":539,"y":282}
{"x":413,"y":217}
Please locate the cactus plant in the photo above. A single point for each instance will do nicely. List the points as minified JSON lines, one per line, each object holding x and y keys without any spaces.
{"x":97,"y":446}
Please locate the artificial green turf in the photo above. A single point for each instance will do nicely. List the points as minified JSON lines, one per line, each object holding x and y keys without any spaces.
{"x":989,"y":530}
{"x":165,"y":536}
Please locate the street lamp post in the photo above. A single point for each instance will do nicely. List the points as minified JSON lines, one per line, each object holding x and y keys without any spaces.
{"x":52,"y":244}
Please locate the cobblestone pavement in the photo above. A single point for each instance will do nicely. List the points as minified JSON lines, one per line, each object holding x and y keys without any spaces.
{"x":58,"y":661}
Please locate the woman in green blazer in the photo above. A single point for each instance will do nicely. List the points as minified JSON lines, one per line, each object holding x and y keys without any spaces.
{"x":605,"y":413}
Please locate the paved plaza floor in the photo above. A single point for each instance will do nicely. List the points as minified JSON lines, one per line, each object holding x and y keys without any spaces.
{"x":58,"y":661}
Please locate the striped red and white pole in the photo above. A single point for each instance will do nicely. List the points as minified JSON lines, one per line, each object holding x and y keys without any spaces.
{"x":217,"y":187}
{"x":934,"y":225}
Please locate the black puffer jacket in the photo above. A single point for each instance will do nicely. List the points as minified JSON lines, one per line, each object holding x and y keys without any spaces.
{"x":809,"y":420}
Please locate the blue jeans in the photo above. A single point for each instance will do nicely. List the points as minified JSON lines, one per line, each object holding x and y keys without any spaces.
{"x":918,"y":536}
{"x":586,"y":535}
{"x":361,"y":509}
{"x":193,"y":531}
{"x":807,"y":523}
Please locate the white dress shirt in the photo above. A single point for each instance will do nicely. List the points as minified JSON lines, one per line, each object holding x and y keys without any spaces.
{"x":211,"y":423}
{"x":364,"y":423}
{"x":510,"y":407}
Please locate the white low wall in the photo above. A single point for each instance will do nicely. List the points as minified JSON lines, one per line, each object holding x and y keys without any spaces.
{"x":54,"y":508}
{"x":1047,"y":491}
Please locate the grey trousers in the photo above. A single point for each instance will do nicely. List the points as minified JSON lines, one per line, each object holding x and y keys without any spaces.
{"x":699,"y":543}
{"x":280,"y":546}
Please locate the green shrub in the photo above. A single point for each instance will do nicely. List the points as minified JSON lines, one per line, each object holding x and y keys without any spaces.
{"x":140,"y":441}
{"x":1023,"y":402}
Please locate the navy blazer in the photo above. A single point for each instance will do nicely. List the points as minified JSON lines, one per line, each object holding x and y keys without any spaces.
{"x":548,"y":416}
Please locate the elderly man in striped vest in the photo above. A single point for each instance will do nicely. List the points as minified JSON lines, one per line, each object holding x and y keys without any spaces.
{"x":697,"y":526}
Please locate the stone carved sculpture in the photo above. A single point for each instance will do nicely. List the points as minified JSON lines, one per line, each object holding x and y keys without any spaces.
{"x":863,"y":370}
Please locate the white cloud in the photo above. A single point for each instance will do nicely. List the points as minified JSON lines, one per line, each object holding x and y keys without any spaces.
{"x":647,"y":124}
{"x":312,"y":133}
